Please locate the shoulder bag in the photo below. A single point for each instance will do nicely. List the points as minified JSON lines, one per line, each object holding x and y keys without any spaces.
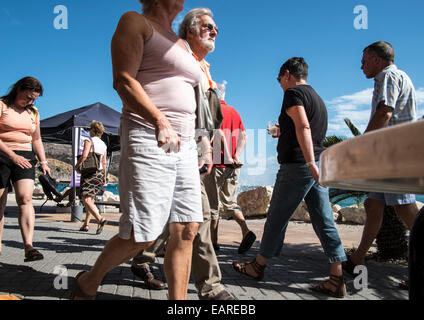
{"x":91,"y":164}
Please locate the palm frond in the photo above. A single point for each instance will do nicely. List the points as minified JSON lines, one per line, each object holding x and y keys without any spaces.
{"x":331,"y":140}
{"x":352,"y":127}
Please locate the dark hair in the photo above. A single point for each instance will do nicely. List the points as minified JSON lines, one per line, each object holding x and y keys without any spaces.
{"x":297,"y":67}
{"x":382,"y":49}
{"x":27,"y":83}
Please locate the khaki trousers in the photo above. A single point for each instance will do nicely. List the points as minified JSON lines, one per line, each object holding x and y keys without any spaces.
{"x":221,"y":187}
{"x":205,"y":267}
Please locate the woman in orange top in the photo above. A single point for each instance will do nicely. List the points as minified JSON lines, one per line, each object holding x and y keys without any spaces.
{"x":20,"y":142}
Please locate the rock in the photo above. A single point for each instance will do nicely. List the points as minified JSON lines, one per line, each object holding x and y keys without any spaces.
{"x":353,"y":214}
{"x":336,"y":208}
{"x":38,"y":192}
{"x":256,"y":201}
{"x":301,"y":213}
{"x":109,"y":196}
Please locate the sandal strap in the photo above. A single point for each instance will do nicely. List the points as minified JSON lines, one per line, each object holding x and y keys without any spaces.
{"x":336,"y":279}
{"x":259,"y":268}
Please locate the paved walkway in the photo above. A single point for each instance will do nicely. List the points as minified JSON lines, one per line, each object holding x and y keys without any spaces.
{"x":68,"y":251}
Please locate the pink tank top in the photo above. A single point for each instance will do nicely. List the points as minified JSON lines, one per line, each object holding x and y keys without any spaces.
{"x":168,"y":74}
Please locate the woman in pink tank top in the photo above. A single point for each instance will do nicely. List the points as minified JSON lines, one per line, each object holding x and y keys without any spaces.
{"x":159,"y":181}
{"x":20,"y":142}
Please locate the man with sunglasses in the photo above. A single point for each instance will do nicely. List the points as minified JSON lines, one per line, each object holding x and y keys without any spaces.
{"x":199,"y":32}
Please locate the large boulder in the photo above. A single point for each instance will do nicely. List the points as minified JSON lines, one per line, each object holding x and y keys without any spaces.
{"x":255,"y":202}
{"x":301,"y":213}
{"x":353,"y":214}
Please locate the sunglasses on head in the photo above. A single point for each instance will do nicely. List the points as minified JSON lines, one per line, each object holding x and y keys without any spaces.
{"x":211,"y":27}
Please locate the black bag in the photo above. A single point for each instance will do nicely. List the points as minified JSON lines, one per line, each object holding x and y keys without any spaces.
{"x":91,"y":164}
{"x":49,"y":186}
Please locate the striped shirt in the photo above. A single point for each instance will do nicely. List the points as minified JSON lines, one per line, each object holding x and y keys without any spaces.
{"x":395,"y":88}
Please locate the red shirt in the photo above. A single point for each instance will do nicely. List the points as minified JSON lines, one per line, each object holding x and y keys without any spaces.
{"x":231,"y":126}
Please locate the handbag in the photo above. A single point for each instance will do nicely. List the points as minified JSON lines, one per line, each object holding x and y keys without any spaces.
{"x":91,"y":164}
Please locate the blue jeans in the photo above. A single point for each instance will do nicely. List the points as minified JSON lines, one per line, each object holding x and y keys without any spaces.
{"x":293,"y":184}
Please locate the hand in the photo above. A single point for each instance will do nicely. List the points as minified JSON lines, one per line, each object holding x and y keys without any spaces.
{"x":21,"y":162}
{"x":166,"y":137}
{"x":237,"y":163}
{"x":314,"y":172}
{"x":46,"y":169}
{"x":274,"y":131}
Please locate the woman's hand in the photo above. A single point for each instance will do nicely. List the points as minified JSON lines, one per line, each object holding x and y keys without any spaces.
{"x":166,"y":137}
{"x":46,"y":169}
{"x":21,"y":162}
{"x":314,"y":172}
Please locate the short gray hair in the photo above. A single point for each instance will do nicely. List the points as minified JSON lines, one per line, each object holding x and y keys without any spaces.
{"x":191,"y":19}
{"x":382,"y":49}
{"x":146,"y":4}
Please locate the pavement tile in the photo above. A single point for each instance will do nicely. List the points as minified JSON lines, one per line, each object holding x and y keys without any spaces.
{"x":287,"y":276}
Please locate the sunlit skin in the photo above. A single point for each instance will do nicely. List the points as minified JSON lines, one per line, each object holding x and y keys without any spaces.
{"x":25,"y":98}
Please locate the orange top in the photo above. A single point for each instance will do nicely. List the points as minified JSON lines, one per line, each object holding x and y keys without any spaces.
{"x":16,"y":127}
{"x":206,"y":72}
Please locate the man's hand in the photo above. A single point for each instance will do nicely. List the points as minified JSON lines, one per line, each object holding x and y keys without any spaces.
{"x":237,"y":163}
{"x":205,"y":150}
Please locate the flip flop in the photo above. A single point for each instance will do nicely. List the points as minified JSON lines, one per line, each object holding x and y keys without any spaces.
{"x":247,"y":242}
{"x":100,"y":227}
{"x":33,"y":255}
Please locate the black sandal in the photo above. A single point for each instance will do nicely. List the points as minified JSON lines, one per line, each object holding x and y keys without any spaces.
{"x":259,"y":269}
{"x":84,"y":229}
{"x":33,"y":255}
{"x":100,"y":227}
{"x":336,"y":281}
{"x":77,"y":292}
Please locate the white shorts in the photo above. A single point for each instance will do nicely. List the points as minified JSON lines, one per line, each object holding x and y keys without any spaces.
{"x":155,"y":187}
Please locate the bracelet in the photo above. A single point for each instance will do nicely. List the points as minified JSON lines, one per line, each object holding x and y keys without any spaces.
{"x":310,"y":163}
{"x":43,"y":162}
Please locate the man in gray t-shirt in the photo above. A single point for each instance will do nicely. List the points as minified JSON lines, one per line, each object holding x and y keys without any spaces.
{"x":393,"y":102}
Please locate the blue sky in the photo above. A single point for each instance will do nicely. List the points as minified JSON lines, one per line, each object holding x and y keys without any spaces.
{"x":255,"y":39}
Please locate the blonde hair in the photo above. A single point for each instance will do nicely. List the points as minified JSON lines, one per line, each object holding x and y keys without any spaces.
{"x":97,"y":127}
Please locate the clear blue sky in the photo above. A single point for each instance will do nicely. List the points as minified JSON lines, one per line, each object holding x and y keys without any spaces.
{"x":255,"y":38}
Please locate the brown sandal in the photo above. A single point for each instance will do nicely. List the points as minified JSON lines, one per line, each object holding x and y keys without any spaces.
{"x":77,"y":292}
{"x":259,"y":269}
{"x":337,"y":281}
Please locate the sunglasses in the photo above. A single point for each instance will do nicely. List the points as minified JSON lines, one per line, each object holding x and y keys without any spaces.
{"x":211,"y":27}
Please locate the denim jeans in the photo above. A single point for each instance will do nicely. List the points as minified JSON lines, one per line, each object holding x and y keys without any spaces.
{"x":293,"y":184}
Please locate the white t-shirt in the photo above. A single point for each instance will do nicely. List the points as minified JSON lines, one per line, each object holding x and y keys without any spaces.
{"x":99,"y":147}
